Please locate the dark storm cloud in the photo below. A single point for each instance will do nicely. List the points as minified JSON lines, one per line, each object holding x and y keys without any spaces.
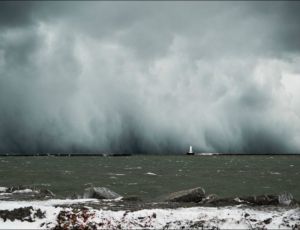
{"x":289,"y":28}
{"x":14,"y":14}
{"x":282,"y":17}
{"x":149,"y":77}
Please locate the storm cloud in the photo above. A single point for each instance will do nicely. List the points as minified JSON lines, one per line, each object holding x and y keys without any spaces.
{"x":149,"y":77}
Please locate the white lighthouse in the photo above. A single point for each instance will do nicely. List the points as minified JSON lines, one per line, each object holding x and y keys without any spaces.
{"x":190,"y":152}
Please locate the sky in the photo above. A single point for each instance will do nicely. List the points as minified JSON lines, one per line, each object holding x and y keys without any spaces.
{"x":149,"y":77}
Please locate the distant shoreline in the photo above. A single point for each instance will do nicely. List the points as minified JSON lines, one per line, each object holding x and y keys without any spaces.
{"x":127,"y":155}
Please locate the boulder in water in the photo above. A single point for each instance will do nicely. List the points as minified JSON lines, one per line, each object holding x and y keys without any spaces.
{"x":46,"y":193}
{"x":260,"y":200}
{"x":285,"y":198}
{"x":132,"y":198}
{"x":100,"y":193}
{"x":190,"y":195}
{"x":25,"y":193}
{"x":209,"y":199}
{"x":282,"y":199}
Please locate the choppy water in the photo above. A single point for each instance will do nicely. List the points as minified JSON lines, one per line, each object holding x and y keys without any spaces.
{"x":153,"y":176}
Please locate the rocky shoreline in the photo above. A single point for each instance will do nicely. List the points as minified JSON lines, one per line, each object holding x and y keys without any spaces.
{"x":99,"y":207}
{"x":193,"y":197}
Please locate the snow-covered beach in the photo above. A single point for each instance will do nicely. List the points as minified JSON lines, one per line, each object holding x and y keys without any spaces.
{"x":102,"y":208}
{"x":80,"y":214}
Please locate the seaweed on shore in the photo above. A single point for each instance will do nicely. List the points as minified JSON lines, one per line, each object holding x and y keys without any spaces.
{"x":23,"y":214}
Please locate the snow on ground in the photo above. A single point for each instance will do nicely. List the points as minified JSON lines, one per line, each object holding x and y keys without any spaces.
{"x":9,"y":205}
{"x":237,"y":217}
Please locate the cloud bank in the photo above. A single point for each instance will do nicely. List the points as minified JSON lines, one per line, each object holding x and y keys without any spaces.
{"x":149,"y":77}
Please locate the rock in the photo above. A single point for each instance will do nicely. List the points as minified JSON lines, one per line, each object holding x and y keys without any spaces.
{"x":131,"y":198}
{"x":26,"y":193}
{"x":222,"y":201}
{"x":260,"y":200}
{"x":74,"y":196}
{"x":268,"y":221}
{"x":282,"y":199}
{"x":209,"y":199}
{"x":45,"y":193}
{"x":23,"y":214}
{"x":190,"y":195}
{"x":16,"y":188}
{"x":197,"y":224}
{"x":100,"y":193}
{"x":285,"y":198}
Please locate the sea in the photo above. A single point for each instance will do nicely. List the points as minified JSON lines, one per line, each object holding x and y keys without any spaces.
{"x":151,"y":177}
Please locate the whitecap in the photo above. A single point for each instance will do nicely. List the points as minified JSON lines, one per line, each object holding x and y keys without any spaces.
{"x":275,"y":173}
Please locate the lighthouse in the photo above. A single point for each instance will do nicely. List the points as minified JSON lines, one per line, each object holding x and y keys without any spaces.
{"x":190,"y":152}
